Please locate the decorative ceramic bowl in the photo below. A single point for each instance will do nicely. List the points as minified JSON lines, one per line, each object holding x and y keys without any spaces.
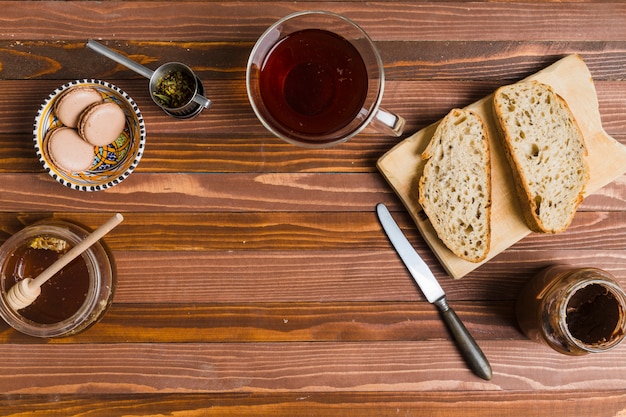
{"x":112,"y":163}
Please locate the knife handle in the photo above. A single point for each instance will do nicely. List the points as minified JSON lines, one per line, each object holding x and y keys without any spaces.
{"x":468,"y":347}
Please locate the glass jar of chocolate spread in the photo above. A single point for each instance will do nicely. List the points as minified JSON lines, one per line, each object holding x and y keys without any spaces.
{"x":574,"y":310}
{"x":74,"y":298}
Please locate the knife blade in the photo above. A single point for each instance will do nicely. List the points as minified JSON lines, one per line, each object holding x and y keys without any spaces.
{"x":423,"y":276}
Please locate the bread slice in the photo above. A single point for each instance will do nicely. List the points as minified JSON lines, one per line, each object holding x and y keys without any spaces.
{"x":455,"y":187}
{"x":546,"y":151}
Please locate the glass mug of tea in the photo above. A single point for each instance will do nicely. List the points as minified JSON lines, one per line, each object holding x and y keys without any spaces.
{"x":315,"y":79}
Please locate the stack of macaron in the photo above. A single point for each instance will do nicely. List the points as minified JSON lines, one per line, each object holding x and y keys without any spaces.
{"x":87,"y":123}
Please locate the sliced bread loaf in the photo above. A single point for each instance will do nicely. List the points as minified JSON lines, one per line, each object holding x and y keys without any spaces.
{"x":546,"y":151}
{"x":455,"y":187}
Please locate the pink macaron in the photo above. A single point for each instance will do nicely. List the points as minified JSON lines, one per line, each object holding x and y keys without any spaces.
{"x":68,"y":151}
{"x":101,"y":123}
{"x":70,"y":104}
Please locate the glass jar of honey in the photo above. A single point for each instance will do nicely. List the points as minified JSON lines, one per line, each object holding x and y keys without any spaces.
{"x":75,"y":298}
{"x":573,"y":310}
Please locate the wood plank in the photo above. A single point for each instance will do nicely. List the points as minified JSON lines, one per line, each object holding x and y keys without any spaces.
{"x":369,"y":275}
{"x":299,"y":231}
{"x":204,"y":192}
{"x":271,"y":276}
{"x":295,"y":192}
{"x":354,"y":233}
{"x":213,"y":21}
{"x":117,"y":368}
{"x":564,"y":403}
{"x":284,"y":322}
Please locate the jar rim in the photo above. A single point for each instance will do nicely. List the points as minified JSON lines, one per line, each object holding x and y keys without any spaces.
{"x":619,"y":332}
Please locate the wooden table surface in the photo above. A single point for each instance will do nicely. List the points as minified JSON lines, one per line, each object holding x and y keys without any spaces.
{"x":254,"y":278}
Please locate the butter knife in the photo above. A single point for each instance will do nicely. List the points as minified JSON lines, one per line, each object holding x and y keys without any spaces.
{"x":433,"y":292}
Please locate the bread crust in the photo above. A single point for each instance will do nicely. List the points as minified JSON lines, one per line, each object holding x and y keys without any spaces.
{"x":455,"y":187}
{"x":534,"y":205}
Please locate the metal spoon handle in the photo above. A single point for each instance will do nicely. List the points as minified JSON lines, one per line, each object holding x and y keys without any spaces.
{"x":138,"y":68}
{"x":120,"y":59}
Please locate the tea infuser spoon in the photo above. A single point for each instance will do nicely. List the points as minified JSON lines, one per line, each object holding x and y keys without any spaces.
{"x":26,"y":291}
{"x":153,"y":76}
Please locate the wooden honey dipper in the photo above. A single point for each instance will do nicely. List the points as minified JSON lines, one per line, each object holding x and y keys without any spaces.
{"x":26,"y":291}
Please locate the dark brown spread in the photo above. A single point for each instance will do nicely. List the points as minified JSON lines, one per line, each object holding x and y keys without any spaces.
{"x":593,"y":314}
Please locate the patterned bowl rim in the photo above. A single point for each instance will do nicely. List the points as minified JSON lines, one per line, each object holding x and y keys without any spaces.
{"x":49,"y":166}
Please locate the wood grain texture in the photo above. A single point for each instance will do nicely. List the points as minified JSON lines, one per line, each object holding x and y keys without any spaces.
{"x":215,"y":322}
{"x":115,"y":368}
{"x":219,"y":21}
{"x":343,"y":404}
{"x":294,"y":231}
{"x":253,"y":277}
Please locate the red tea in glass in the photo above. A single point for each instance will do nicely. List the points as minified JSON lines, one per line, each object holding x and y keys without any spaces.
{"x":313,"y":82}
{"x":315,"y":79}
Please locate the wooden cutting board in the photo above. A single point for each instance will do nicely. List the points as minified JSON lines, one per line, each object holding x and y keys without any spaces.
{"x":402,"y":166}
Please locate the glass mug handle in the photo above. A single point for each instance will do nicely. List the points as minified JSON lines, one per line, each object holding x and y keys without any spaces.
{"x":388,"y":123}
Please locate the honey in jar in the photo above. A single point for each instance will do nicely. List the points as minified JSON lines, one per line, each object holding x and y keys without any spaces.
{"x":62,"y":295}
{"x":573,"y":310}
{"x":72,"y":300}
